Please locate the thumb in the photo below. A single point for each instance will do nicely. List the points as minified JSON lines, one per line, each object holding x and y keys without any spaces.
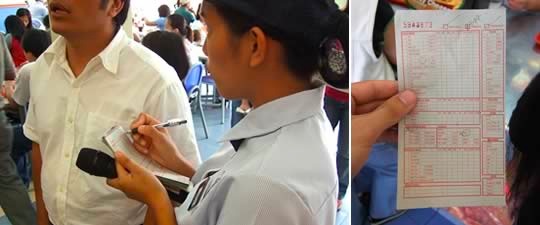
{"x":392,"y":111}
{"x":126,"y":162}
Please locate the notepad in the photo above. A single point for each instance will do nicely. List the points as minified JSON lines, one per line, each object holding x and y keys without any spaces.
{"x":451,"y":147}
{"x":117,"y":139}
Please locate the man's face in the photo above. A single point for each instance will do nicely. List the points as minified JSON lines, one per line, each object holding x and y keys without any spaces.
{"x":25,"y":20}
{"x":79,"y":16}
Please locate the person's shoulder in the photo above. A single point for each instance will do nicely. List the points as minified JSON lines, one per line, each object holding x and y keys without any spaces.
{"x":26,"y":69}
{"x":148,"y":63}
{"x":310,"y":139}
{"x":311,"y":131}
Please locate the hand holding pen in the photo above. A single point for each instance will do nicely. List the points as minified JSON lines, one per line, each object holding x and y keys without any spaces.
{"x":151,"y":140}
{"x":170,"y":123}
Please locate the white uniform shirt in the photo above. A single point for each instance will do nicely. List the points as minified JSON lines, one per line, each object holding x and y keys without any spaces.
{"x":22,"y":84}
{"x":283,"y":172}
{"x":365,"y":64}
{"x":68,"y":113}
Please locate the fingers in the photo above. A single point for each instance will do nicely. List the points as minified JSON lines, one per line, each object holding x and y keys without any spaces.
{"x":366,"y":108}
{"x":140,"y":148}
{"x":391,"y":112}
{"x":124,"y":162}
{"x":151,"y":132}
{"x":122,"y":174}
{"x":373,"y":90}
{"x":144,"y":119}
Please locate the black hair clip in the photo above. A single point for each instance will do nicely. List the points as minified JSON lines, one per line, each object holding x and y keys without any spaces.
{"x":334,"y":66}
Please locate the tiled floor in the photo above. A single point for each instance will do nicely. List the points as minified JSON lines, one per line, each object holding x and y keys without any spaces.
{"x":208,"y":146}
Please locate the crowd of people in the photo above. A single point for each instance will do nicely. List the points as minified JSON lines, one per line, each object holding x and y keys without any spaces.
{"x":61,"y":96}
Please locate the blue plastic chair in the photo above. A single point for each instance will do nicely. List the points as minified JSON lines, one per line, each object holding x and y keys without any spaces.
{"x":192,"y":84}
{"x":208,"y":80}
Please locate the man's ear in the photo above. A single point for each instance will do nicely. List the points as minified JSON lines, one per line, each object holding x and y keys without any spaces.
{"x":115,"y":6}
{"x":258,"y":42}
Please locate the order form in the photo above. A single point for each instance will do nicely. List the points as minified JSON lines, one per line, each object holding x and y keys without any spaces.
{"x":451,"y":147}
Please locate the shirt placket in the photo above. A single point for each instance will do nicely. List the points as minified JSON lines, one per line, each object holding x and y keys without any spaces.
{"x":67,"y":146}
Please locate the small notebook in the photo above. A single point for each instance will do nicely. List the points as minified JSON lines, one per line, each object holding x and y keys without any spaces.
{"x":117,"y":139}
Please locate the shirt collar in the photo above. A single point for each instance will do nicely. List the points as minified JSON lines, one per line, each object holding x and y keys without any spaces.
{"x":109,"y":56}
{"x":276,"y":114}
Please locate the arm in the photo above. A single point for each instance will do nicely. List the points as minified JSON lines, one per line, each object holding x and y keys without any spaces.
{"x":161,"y":212}
{"x":9,"y":67}
{"x":270,"y":202}
{"x":42,"y":214}
{"x":158,"y":145}
{"x":10,"y":90}
{"x":150,"y":23}
{"x":141,"y":185}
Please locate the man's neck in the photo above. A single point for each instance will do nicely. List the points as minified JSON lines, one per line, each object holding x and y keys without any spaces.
{"x":81,"y":48}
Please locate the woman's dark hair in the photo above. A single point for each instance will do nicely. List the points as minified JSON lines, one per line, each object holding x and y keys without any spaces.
{"x":302,"y":57}
{"x":121,"y":17}
{"x":525,"y":165}
{"x":179,"y":22}
{"x":164,"y":11}
{"x":25,"y":12}
{"x":36,"y":41}
{"x":170,"y":47}
{"x":14,"y":26}
{"x":524,"y":194}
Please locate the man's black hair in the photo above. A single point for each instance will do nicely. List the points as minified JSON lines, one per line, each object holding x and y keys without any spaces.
{"x":164,"y":11}
{"x":122,"y":15}
{"x":36,"y":41}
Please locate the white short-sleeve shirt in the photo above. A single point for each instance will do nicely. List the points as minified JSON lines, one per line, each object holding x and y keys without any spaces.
{"x":66,"y":114}
{"x":279,"y":169}
{"x":365,"y":64}
{"x":22,"y":84}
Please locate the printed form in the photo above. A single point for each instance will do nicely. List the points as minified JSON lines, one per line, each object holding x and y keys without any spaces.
{"x":451,"y":147}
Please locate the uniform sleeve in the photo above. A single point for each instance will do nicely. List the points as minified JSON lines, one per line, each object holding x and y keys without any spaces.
{"x":171,"y":103}
{"x":9,"y":67}
{"x":30,"y":124}
{"x":22,"y":86}
{"x":261,"y":201}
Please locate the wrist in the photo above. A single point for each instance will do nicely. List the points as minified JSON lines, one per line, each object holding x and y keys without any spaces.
{"x":159,"y":202}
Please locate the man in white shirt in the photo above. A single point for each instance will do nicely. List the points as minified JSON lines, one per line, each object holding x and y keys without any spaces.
{"x":368,"y":64}
{"x":92,"y":78}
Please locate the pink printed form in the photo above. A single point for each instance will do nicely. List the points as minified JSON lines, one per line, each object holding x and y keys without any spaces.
{"x":451,"y":148}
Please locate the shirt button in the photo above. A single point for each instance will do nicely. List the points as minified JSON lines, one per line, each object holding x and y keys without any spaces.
{"x":67,"y":155}
{"x":70,"y":120}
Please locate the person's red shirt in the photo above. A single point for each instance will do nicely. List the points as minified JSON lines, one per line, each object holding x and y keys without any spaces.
{"x":17,"y":53}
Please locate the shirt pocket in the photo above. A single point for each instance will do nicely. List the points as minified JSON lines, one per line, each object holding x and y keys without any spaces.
{"x":48,"y":117}
{"x":95,"y":128}
{"x":94,"y":189}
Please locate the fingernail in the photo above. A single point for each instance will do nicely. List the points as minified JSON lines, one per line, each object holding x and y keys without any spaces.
{"x":407,"y":97}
